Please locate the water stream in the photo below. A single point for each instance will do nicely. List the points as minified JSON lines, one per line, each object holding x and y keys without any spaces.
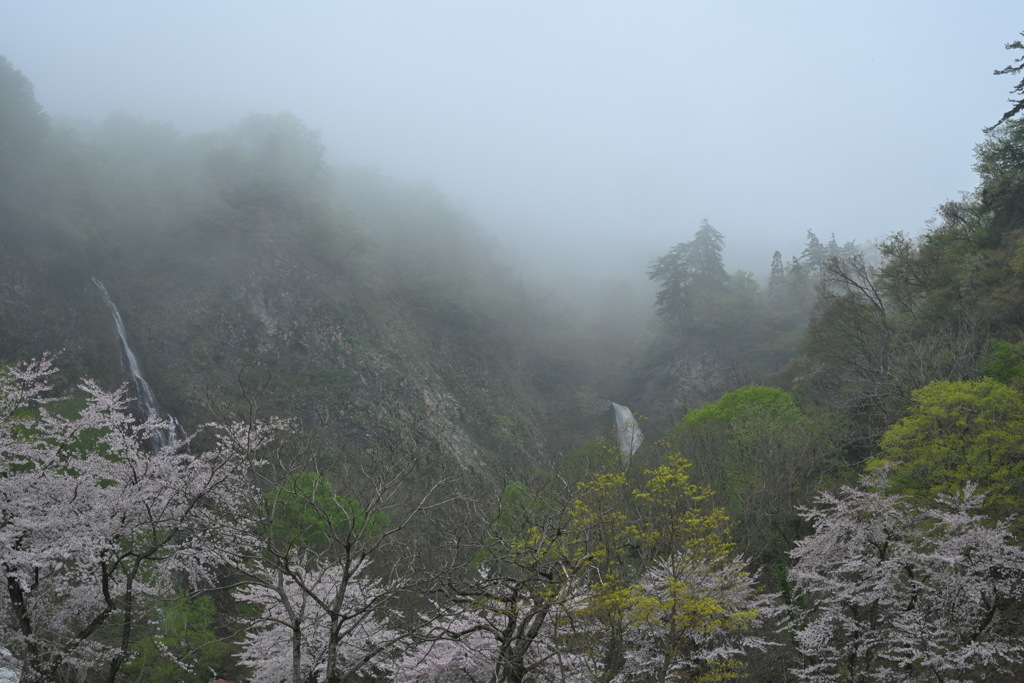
{"x":147,"y":399}
{"x":628,"y":432}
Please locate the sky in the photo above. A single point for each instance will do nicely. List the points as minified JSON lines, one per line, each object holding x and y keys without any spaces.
{"x":586,"y":132}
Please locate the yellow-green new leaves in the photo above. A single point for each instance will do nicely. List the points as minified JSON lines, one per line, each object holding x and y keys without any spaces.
{"x":671,"y":515}
{"x":600,"y":521}
{"x":665,"y":597}
{"x":688,"y":618}
{"x":621,"y":528}
{"x":959,"y":432}
{"x":633,"y":578}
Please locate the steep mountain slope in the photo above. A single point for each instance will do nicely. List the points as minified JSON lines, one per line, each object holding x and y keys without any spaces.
{"x":239,"y":259}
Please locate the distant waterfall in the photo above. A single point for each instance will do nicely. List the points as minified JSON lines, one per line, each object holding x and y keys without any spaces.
{"x":147,"y":399}
{"x":628,"y":431}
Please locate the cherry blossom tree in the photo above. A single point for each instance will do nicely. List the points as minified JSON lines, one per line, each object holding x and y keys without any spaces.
{"x":314,"y":618}
{"x":614,"y":580}
{"x":523,"y":584}
{"x":457,"y":649}
{"x":691,"y":617}
{"x":501,"y":608}
{"x":492,"y":640}
{"x":327,"y":610}
{"x":894,"y":591}
{"x":94,"y":527}
{"x":666,"y":597}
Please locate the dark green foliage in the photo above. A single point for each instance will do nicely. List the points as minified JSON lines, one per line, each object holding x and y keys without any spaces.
{"x":690,"y":276}
{"x":23,"y":131}
{"x":1004,"y":362}
{"x":814,"y":254}
{"x":879,"y":334}
{"x":777,"y":277}
{"x":928,"y":312}
{"x":1000,"y":167}
{"x":722,"y":331}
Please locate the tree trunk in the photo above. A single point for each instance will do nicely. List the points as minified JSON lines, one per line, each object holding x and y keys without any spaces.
{"x":31,"y":662}
{"x":118,"y":660}
{"x":297,"y":651}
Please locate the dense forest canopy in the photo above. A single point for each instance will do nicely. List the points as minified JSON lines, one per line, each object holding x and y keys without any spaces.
{"x":381,"y":454}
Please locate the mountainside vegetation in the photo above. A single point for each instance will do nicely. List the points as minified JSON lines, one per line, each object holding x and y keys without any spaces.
{"x":392,"y":457}
{"x":240,"y":256}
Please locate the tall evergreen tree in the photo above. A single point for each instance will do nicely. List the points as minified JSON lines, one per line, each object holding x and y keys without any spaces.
{"x":690,"y":274}
{"x":705,"y":259}
{"x":1014,"y":68}
{"x":777,"y":277}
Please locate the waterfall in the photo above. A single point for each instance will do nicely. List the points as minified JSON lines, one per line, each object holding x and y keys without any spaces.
{"x":628,"y":431}
{"x":147,"y":399}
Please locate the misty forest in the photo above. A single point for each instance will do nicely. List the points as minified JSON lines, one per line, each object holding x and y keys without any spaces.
{"x":268,"y":418}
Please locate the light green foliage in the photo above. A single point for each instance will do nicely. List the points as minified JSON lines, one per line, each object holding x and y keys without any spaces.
{"x":308,"y":513}
{"x":747,"y":424}
{"x":764,"y":457}
{"x":630,"y":570}
{"x":755,"y":407}
{"x":958,"y":432}
{"x":671,"y":512}
{"x":182,"y":645}
{"x":519,"y":508}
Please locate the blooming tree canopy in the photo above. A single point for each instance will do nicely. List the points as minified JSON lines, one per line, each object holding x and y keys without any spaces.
{"x":893,"y":591}
{"x":618,"y":581}
{"x":324,"y":613}
{"x":313,"y":617}
{"x":512,"y":635}
{"x":93,"y":526}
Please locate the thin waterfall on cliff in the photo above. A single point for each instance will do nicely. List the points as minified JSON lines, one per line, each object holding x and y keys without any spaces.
{"x":628,"y":432}
{"x":147,"y":399}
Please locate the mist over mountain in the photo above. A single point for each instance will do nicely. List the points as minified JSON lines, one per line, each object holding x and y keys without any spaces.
{"x":517,"y":344}
{"x":583,"y":138}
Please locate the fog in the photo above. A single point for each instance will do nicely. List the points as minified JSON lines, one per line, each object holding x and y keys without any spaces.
{"x":597,"y":134}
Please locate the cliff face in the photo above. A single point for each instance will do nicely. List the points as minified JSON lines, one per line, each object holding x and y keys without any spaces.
{"x":240,"y":260}
{"x":240,"y":293}
{"x":322,"y":335}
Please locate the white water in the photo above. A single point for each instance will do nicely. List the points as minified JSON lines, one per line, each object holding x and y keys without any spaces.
{"x":628,"y":431}
{"x":147,"y":399}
